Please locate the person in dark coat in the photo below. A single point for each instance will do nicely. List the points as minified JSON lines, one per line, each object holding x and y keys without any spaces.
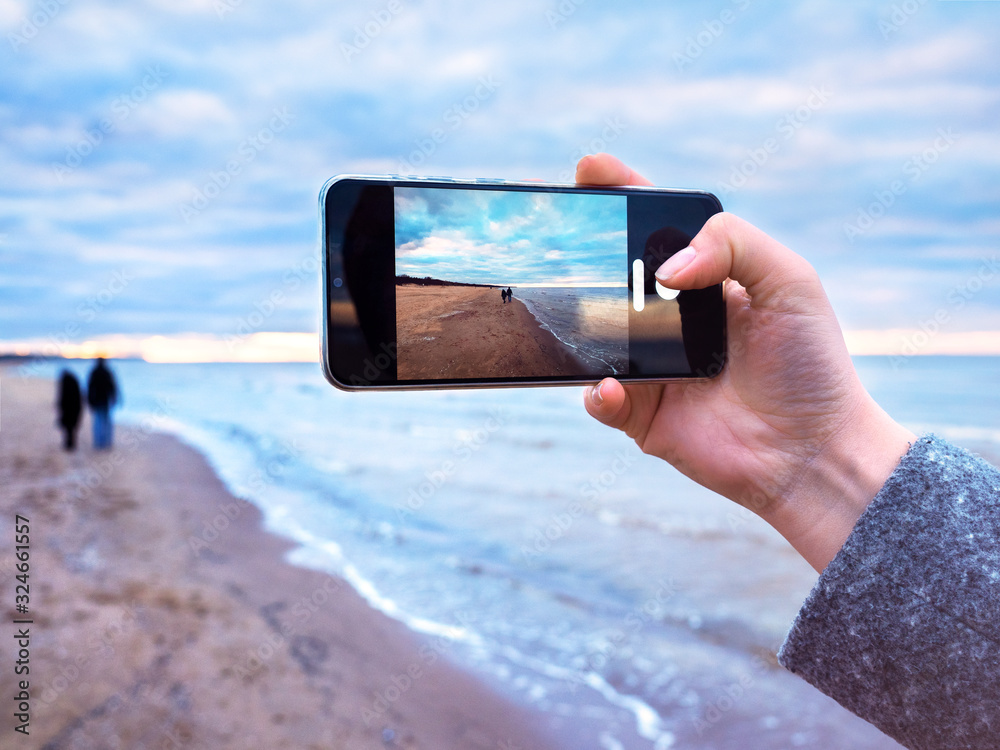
{"x":503,"y":295}
{"x":102,"y":395}
{"x":510,"y":295}
{"x":70,"y":405}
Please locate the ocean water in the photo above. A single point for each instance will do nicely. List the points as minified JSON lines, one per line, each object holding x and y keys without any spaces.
{"x":540,"y":549}
{"x":593,"y":321}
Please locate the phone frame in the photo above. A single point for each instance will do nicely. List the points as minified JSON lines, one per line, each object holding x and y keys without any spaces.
{"x":432,"y":181}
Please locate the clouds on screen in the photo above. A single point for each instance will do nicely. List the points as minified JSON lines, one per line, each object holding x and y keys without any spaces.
{"x":494,"y":237}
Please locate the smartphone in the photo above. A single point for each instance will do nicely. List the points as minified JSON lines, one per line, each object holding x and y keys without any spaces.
{"x":448,"y":283}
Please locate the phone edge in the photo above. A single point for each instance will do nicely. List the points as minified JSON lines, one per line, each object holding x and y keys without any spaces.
{"x":324,"y":337}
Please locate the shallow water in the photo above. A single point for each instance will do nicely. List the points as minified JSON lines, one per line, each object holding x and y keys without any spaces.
{"x":593,"y":321}
{"x":541,"y":549}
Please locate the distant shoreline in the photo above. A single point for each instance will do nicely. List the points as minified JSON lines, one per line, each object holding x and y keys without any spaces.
{"x":431,"y":281}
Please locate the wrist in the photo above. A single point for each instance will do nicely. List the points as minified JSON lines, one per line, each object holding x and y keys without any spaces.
{"x":838,"y":483}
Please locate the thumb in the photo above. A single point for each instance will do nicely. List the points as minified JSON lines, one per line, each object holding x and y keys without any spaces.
{"x":729,"y":247}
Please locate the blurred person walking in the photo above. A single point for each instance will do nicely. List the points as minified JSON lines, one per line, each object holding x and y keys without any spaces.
{"x":102,"y":395}
{"x":69,"y":403}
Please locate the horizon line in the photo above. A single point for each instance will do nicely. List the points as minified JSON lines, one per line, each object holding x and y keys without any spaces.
{"x":304,"y":346}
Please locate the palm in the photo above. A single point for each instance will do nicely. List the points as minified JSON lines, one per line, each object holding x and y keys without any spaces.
{"x":764,"y":417}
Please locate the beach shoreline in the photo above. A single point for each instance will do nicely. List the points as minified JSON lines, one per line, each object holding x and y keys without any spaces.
{"x":447,"y":331}
{"x":165,"y":615}
{"x":597,"y":333}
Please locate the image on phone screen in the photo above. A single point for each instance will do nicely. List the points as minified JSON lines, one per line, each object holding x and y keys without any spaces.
{"x":431,"y":283}
{"x":494,"y":284}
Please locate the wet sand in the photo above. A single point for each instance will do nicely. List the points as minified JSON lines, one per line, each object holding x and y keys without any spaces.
{"x":468,"y":332}
{"x":164,"y":616}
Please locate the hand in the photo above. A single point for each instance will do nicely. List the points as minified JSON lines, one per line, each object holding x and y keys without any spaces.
{"x":786,"y":430}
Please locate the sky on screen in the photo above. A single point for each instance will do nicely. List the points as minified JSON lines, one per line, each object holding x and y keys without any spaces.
{"x":492,"y":237}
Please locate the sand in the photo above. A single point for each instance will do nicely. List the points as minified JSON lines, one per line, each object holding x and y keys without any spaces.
{"x":468,"y":332}
{"x":164,"y":616}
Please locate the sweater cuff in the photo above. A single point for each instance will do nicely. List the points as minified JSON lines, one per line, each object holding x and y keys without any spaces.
{"x":903,"y":626}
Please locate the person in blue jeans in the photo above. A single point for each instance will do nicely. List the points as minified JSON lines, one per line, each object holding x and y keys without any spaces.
{"x":903,"y":625}
{"x":102,"y":396}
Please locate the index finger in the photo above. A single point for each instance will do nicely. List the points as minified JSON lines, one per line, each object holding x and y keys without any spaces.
{"x":729,"y":247}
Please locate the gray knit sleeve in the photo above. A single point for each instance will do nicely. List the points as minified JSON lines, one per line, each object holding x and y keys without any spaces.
{"x":903,"y":627}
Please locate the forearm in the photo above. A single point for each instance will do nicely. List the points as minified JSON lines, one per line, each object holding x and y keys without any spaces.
{"x":903,"y":626}
{"x":834,"y":488}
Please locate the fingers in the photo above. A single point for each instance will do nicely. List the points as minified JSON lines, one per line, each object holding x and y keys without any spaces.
{"x":726,"y":247}
{"x":608,"y":402}
{"x":729,"y":247}
{"x":604,"y":169}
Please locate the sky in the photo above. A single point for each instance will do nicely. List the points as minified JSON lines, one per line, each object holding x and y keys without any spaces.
{"x":161,"y":159}
{"x":512,"y":238}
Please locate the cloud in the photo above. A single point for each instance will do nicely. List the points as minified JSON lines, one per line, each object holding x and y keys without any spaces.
{"x":180,"y":114}
{"x":187,"y":7}
{"x":490,"y":236}
{"x":11,"y":12}
{"x":79,"y":200}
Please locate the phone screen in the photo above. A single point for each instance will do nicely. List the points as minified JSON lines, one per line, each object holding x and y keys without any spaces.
{"x":433,"y":284}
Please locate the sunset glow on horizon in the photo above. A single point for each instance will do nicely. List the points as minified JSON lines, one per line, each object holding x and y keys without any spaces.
{"x":263,"y":346}
{"x":279,"y":346}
